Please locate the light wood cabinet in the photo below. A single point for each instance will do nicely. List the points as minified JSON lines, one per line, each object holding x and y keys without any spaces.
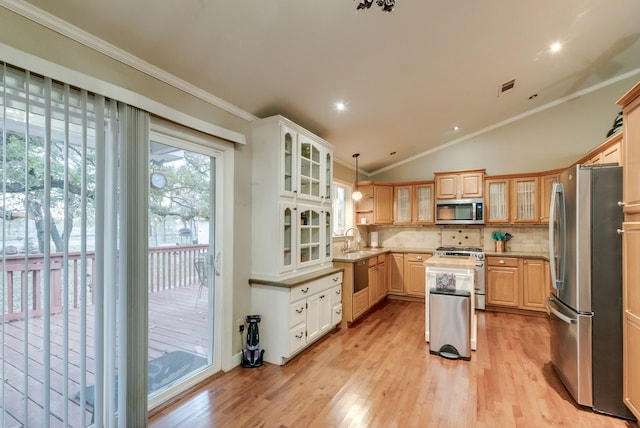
{"x":630,"y":103}
{"x":534,"y":286}
{"x":459,"y":185}
{"x":383,"y":279}
{"x":610,"y":151}
{"x":414,"y":274}
{"x":518,"y":283}
{"x":413,"y":203}
{"x":512,"y":199}
{"x":546,"y":186}
{"x":396,"y":273}
{"x":503,"y":285}
{"x":376,"y":205}
{"x":377,"y":279}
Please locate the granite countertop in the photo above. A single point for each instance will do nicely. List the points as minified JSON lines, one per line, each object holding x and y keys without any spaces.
{"x":297,"y":280}
{"x":365,"y":253}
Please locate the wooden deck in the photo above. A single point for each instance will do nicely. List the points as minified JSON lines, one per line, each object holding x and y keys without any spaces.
{"x":177,"y":322}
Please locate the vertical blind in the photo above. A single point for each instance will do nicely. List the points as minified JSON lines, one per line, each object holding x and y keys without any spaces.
{"x":73,"y":255}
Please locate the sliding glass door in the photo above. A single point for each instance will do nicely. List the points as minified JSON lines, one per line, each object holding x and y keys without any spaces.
{"x":183,"y":254}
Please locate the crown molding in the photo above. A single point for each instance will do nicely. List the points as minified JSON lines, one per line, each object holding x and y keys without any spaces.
{"x":64,"y":28}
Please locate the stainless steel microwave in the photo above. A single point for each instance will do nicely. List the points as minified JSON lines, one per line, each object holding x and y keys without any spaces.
{"x":460,"y":211}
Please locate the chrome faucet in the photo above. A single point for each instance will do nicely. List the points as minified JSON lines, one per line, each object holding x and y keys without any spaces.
{"x":355,"y":239}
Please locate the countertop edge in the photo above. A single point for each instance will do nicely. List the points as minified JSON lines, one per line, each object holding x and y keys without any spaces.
{"x":297,"y":280}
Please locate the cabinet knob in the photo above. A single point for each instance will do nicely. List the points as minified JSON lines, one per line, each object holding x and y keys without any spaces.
{"x":621,"y":204}
{"x":619,"y":231}
{"x":501,"y":262}
{"x":419,"y":257}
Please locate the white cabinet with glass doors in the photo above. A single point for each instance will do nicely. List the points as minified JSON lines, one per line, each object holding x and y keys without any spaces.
{"x":291,"y":199}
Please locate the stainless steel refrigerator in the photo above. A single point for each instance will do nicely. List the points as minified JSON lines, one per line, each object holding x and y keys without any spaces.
{"x":585,"y":304}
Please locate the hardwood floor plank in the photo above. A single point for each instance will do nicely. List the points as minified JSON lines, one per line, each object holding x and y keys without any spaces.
{"x":379,"y":373}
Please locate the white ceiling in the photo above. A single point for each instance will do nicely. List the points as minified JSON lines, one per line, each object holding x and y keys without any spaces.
{"x":407,"y":76}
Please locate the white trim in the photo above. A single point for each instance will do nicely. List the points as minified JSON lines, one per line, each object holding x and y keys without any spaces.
{"x":74,"y":33}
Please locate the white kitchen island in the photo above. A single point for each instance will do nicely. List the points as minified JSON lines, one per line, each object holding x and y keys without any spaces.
{"x":460,"y":268}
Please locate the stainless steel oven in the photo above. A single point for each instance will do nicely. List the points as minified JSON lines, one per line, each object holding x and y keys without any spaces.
{"x":479,"y":272}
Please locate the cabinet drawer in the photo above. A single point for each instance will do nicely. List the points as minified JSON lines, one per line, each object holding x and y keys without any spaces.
{"x":382,"y":258}
{"x":297,"y":313}
{"x":315,"y":286}
{"x":336,"y":314}
{"x":373,"y":261}
{"x":336,"y":295}
{"x":297,"y":338}
{"x":502,"y":261}
{"x":416,"y":257}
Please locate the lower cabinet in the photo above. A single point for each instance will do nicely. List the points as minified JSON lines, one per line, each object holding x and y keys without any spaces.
{"x":414,"y":274}
{"x":396,"y":273}
{"x":295,"y":317}
{"x":517,"y":283}
{"x":378,"y":282}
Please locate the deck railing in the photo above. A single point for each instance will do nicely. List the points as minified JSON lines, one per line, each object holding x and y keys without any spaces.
{"x":23,"y":277}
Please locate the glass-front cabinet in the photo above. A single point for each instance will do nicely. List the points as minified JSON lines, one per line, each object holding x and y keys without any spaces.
{"x":413,"y":203}
{"x":292,"y":188}
{"x":512,"y":200}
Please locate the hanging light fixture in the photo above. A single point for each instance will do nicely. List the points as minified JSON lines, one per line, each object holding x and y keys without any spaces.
{"x":384,"y":5}
{"x":356,"y":195}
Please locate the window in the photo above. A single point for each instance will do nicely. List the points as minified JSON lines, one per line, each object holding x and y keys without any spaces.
{"x":342,"y":208}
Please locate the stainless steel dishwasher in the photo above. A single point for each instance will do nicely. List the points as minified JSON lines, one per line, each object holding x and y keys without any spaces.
{"x":360,"y":275}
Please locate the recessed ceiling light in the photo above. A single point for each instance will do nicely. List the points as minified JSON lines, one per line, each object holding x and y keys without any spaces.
{"x":555,"y":47}
{"x":340,"y":106}
{"x":455,"y":127}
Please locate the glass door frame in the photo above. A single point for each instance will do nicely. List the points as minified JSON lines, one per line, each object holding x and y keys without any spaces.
{"x":220,"y":262}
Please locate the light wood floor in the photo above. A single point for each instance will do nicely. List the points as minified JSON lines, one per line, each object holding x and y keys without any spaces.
{"x":379,"y":373}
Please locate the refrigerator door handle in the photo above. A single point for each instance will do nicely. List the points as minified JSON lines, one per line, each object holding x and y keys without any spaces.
{"x":557,"y":220}
{"x":559,"y":314}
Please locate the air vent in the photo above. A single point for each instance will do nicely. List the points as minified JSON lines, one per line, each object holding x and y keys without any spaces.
{"x":507,"y":86}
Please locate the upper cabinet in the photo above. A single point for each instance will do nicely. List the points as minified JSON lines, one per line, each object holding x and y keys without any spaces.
{"x":512,"y":199}
{"x":546,"y":186}
{"x":376,"y":205}
{"x":305,"y":164}
{"x":291,"y":188}
{"x":459,"y":185}
{"x":608,"y":152}
{"x":413,"y":203}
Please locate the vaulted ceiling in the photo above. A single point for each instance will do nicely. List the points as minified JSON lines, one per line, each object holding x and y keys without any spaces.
{"x":406,"y":76}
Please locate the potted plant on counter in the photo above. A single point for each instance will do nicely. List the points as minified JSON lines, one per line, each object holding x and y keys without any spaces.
{"x":500,"y":240}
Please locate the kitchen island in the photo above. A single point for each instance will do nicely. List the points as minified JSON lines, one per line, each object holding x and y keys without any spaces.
{"x":460,"y":270}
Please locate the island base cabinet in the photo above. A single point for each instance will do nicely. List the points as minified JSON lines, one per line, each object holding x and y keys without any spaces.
{"x":293,"y":318}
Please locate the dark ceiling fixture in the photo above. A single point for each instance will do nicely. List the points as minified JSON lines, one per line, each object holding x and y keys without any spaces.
{"x":384,"y":5}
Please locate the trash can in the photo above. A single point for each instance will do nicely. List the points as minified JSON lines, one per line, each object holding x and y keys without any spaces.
{"x":450,"y":323}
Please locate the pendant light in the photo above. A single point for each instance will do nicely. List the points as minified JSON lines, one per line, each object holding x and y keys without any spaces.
{"x":356,"y":195}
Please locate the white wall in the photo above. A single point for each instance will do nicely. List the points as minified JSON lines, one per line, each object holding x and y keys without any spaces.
{"x":551,"y":139}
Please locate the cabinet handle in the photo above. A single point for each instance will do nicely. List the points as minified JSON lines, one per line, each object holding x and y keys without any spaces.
{"x":300,"y":310}
{"x":299,"y":336}
{"x":336,"y":279}
{"x":419,"y":257}
{"x":305,"y":290}
{"x":338,"y":291}
{"x":323,"y":296}
{"x":338,"y":311}
{"x":621,"y":204}
{"x":501,"y":262}
{"x":619,"y":231}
